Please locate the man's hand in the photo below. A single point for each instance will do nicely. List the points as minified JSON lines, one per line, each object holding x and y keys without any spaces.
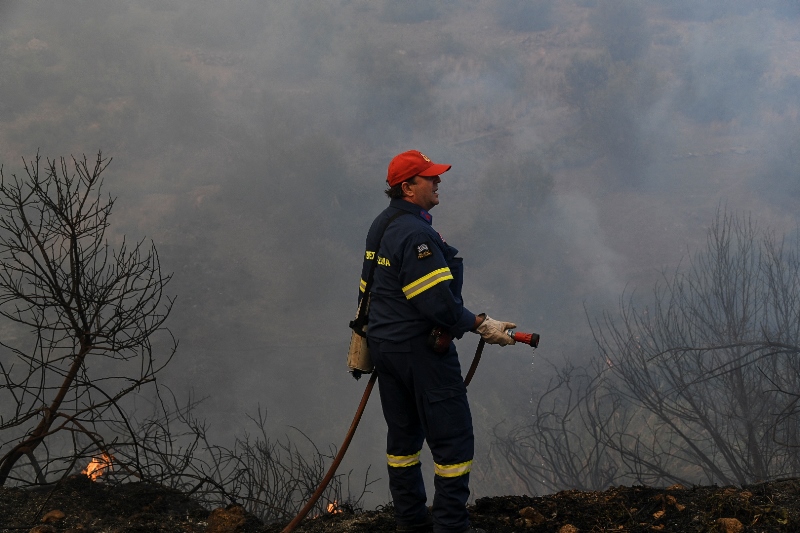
{"x":494,"y":331}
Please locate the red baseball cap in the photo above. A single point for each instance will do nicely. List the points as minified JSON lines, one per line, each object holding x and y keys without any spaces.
{"x":412,"y":163}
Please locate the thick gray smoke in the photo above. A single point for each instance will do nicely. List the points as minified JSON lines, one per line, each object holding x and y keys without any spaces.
{"x":591,"y":143}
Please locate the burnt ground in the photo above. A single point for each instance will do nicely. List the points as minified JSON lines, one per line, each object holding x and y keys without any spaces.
{"x":80,"y":505}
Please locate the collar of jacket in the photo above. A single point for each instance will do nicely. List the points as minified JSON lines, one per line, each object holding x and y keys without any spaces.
{"x":411,"y":208}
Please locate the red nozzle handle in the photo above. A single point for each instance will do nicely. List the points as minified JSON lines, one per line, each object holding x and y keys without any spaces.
{"x":531,"y":339}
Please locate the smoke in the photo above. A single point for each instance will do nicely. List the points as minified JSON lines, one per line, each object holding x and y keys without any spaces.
{"x":591,"y":143}
{"x":519,"y":15}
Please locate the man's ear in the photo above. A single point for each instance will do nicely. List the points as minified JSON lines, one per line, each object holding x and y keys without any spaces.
{"x":406,"y":187}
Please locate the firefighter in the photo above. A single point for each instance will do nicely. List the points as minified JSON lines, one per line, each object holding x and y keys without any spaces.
{"x":415,"y":310}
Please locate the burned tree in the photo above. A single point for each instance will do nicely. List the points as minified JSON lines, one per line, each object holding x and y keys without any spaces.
{"x":565,"y":443}
{"x":698,"y":386}
{"x":78,"y":320}
{"x":710,"y":363}
{"x":562,"y":446}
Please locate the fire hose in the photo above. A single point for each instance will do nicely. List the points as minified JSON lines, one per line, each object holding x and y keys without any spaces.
{"x":531,"y":339}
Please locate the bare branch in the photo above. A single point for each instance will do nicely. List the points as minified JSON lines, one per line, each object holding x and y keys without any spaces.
{"x":83,"y":303}
{"x":701,"y":385}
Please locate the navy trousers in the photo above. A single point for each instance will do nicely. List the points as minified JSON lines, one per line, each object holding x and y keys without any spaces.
{"x":423,"y":397}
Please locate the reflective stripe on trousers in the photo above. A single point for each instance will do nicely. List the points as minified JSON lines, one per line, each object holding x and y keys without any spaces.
{"x":452,"y":470}
{"x":401,"y":461}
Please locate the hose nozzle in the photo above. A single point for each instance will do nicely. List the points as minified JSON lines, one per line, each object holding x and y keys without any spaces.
{"x":531,"y":339}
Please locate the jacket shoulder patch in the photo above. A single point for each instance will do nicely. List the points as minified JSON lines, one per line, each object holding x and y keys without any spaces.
{"x":423,"y":251}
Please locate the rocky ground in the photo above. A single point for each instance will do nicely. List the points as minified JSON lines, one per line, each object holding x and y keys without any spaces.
{"x":80,"y":505}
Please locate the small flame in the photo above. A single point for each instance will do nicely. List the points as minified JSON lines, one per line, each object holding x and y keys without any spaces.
{"x":333,"y":508}
{"x":98,"y":466}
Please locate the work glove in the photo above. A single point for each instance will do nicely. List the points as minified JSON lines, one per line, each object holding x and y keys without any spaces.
{"x":494,"y":331}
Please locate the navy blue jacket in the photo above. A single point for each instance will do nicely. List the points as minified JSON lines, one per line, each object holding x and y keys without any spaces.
{"x":417,"y":281}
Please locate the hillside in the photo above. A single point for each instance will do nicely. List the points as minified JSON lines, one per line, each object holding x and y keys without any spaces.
{"x":592,"y":142}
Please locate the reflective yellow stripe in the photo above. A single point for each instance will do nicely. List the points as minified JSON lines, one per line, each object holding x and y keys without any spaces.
{"x":362,"y":286}
{"x":400,"y":461}
{"x":452,"y":470}
{"x":426,"y":282}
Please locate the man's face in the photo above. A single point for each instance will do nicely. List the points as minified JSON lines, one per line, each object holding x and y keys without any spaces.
{"x":423,"y":191}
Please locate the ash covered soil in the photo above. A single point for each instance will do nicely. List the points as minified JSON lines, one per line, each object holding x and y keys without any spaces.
{"x":80,"y":505}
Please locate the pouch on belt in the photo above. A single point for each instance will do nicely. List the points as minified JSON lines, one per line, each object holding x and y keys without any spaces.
{"x":358,"y":359}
